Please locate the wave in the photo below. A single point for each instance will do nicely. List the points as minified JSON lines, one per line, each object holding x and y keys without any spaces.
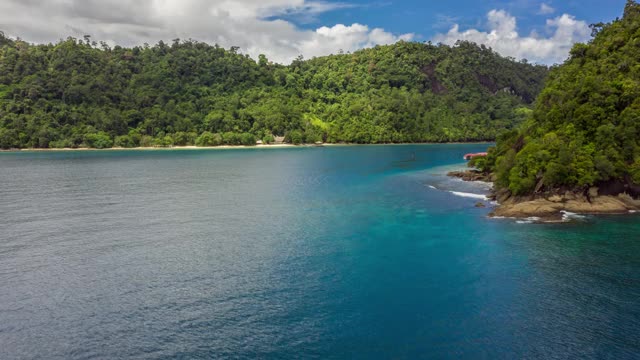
{"x":529,"y":220}
{"x":469,"y":195}
{"x":484,"y":184}
{"x":568,"y":216}
{"x":432,"y":187}
{"x":633,"y":211}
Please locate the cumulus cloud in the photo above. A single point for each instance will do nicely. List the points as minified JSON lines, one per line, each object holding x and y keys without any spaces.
{"x":347,"y":38}
{"x":563,"y":31}
{"x":256,"y":26}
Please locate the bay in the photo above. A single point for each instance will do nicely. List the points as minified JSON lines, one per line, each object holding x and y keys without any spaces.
{"x":332,"y":252}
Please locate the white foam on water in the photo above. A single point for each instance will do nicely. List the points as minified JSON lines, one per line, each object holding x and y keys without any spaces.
{"x":633,"y":211}
{"x":568,"y":216}
{"x":469,"y":195}
{"x":484,"y":184}
{"x":529,"y":220}
{"x":432,"y":187}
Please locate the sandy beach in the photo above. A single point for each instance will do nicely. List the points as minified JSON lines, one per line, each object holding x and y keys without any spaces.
{"x":156,"y":148}
{"x":221,"y":147}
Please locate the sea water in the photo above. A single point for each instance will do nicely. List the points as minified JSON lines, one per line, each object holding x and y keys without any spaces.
{"x":334,"y":252}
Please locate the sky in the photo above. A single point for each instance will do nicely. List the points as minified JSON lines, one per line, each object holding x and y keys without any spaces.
{"x":541,"y":31}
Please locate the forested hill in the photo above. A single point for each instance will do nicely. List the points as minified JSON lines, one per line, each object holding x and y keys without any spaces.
{"x":586,"y":125}
{"x":79,"y":93}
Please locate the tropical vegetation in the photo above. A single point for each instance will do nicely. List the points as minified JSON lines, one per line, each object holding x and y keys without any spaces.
{"x":585,"y":128}
{"x":80,"y":93}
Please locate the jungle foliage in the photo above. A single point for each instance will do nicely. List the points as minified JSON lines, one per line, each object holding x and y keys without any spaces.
{"x":585,"y":128}
{"x":80,"y":93}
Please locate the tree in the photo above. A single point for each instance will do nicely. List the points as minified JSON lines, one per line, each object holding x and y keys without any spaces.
{"x":248,"y":139}
{"x":584,"y":129}
{"x":99,"y":140}
{"x":294,"y":137}
{"x":208,"y":139}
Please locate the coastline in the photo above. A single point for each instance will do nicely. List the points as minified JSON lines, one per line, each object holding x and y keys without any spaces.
{"x":223,"y":147}
{"x":556,"y":207}
{"x":552,"y":207}
{"x":163,"y":148}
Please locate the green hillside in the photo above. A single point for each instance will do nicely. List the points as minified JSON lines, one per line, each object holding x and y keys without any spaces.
{"x":79,"y":93}
{"x":585,"y":128}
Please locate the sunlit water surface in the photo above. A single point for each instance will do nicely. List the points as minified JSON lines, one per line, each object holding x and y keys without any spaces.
{"x":335,"y":252}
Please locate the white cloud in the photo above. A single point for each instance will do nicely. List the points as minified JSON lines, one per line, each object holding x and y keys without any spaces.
{"x":250,"y":24}
{"x":347,"y":38}
{"x":546,"y":9}
{"x":503,"y":37}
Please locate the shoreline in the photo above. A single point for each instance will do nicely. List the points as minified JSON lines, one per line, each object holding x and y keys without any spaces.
{"x":156,"y":148}
{"x":552,"y":207}
{"x":224,"y":147}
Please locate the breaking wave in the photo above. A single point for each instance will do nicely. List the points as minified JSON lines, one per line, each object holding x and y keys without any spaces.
{"x":469,"y":195}
{"x":568,"y":216}
{"x":529,"y":220}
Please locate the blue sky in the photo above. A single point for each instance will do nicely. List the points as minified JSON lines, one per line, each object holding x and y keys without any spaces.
{"x":427,"y":18}
{"x":546,"y":29}
{"x":542,"y":31}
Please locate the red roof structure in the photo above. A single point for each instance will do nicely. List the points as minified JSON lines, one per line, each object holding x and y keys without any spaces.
{"x":472,"y":155}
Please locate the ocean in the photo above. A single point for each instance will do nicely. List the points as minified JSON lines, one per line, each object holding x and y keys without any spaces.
{"x":338,"y":252}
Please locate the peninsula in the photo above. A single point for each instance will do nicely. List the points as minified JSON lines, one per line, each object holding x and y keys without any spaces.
{"x":580,"y":149}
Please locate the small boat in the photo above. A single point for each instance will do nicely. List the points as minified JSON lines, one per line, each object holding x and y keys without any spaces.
{"x":472,"y":155}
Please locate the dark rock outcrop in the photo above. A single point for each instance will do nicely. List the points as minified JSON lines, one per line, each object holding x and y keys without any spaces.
{"x":471,"y":175}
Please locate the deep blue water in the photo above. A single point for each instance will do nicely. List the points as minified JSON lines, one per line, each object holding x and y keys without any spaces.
{"x":336,"y":252}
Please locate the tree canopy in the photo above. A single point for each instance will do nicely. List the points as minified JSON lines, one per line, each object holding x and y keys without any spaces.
{"x":585,"y":128}
{"x":80,"y":93}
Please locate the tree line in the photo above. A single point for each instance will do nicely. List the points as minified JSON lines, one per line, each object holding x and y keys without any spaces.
{"x":79,"y":93}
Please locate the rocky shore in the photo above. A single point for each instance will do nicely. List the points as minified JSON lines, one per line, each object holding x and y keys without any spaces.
{"x":471,"y":175}
{"x":552,"y":206}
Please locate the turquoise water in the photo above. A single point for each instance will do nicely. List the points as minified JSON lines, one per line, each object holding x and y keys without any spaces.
{"x":336,"y":252}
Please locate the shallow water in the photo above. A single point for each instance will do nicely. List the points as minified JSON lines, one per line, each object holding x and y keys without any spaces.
{"x":335,"y":252}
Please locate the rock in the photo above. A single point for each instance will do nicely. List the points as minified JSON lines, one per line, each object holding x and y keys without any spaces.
{"x":547,"y":209}
{"x":555,"y":198}
{"x":569,"y":196}
{"x":631,"y":203}
{"x":551,"y":208}
{"x":541,"y":208}
{"x":502,"y":195}
{"x":598,"y":205}
{"x":470,"y":175}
